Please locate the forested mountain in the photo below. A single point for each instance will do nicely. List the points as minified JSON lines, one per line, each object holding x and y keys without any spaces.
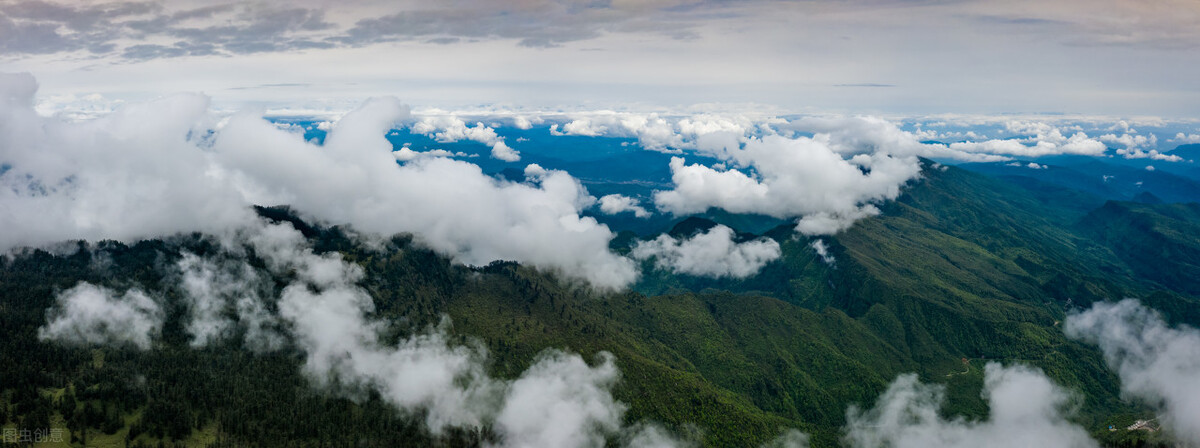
{"x":962,"y":269}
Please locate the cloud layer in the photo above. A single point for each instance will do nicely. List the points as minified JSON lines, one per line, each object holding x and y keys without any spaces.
{"x":170,"y":166}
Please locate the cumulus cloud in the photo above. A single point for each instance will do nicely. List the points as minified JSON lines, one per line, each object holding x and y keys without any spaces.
{"x":1042,"y":145}
{"x":1139,"y":147}
{"x":1157,"y":363}
{"x":866,"y":135}
{"x":501,"y":151}
{"x":668,"y":134}
{"x":449,"y":128}
{"x":711,"y":254}
{"x":1027,"y":409}
{"x":791,"y":177}
{"x":170,"y":166}
{"x":90,"y":314}
{"x":1186,"y":138}
{"x":615,"y":203}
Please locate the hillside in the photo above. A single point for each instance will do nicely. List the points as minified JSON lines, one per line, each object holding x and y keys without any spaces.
{"x":960,"y":270}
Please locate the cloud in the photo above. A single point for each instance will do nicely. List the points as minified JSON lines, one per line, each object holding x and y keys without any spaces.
{"x":539,"y":23}
{"x":406,"y":154}
{"x":90,"y":314}
{"x":1027,"y":409}
{"x":170,"y":166}
{"x":1182,"y":138}
{"x":1043,"y":145}
{"x":1135,"y":147}
{"x":1156,"y":363}
{"x":501,"y":151}
{"x":791,"y":177}
{"x":613,"y":204}
{"x":867,"y":135}
{"x":216,"y":290}
{"x":710,"y":254}
{"x":150,"y":30}
{"x":707,"y":132}
{"x":822,"y":251}
{"x":791,"y":438}
{"x":448,"y":128}
{"x":560,"y":400}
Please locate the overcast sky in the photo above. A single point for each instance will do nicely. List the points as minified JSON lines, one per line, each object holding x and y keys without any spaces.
{"x":1111,"y":57}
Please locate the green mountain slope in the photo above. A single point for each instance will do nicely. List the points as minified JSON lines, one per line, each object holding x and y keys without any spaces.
{"x":960,"y":270}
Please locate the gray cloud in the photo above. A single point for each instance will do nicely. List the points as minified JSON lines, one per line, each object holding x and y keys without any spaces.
{"x":540,"y":23}
{"x":38,"y":27}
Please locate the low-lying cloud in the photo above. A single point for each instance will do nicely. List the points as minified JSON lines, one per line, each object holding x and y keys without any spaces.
{"x":713,"y":253}
{"x":1027,"y":409}
{"x":88,"y":314}
{"x":1157,"y":363}
{"x":560,"y":400}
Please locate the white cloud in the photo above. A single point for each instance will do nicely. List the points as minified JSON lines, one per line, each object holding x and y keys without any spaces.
{"x":449,"y":128}
{"x":1186,"y":138}
{"x":216,"y":290}
{"x":1156,"y":363}
{"x":501,"y":151}
{"x":560,"y":400}
{"x":169,"y":166}
{"x":822,"y":250}
{"x":205,"y":299}
{"x":712,"y":254}
{"x":1130,"y":140}
{"x":1027,"y":409}
{"x":407,"y":154}
{"x":793,"y":177}
{"x":90,"y":314}
{"x":1042,"y":145}
{"x":792,"y":438}
{"x":614,"y":203}
{"x":668,"y":134}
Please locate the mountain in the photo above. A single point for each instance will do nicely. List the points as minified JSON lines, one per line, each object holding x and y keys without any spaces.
{"x":1157,"y":241}
{"x":960,"y":270}
{"x":1100,"y":178}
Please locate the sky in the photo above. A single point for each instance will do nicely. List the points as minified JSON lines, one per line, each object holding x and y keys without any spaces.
{"x":1093,"y":57}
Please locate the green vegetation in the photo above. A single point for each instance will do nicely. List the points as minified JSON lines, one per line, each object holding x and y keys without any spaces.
{"x":959,"y":271}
